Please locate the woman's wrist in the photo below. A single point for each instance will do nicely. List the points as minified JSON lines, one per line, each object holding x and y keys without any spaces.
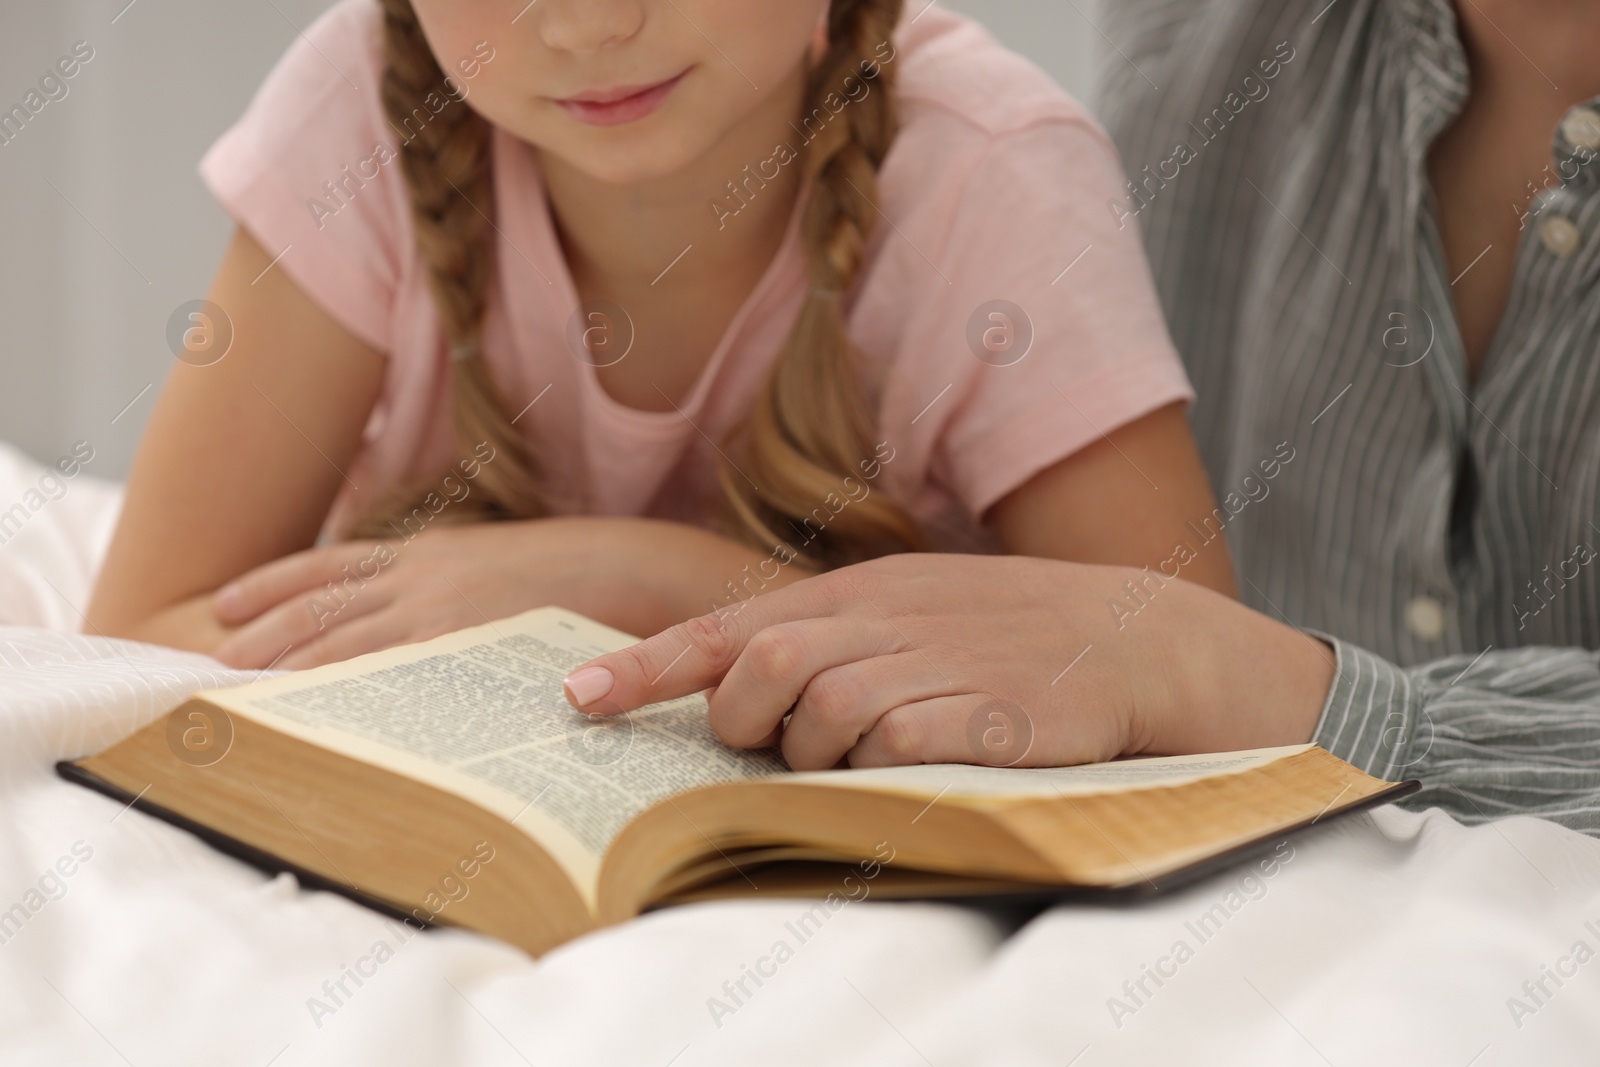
{"x":1240,"y":679}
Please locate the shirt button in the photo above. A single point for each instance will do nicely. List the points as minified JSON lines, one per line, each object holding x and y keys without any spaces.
{"x":1559,"y":235}
{"x":1425,"y":617}
{"x":1581,"y":127}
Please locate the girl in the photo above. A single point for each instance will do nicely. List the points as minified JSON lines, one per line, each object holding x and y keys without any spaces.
{"x":637,"y":306}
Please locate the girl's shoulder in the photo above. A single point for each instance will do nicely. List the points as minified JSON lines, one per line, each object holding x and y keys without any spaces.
{"x":988,"y":144}
{"x":334,"y":67}
{"x":310,"y":169}
{"x":980,"y":124}
{"x":952,"y":67}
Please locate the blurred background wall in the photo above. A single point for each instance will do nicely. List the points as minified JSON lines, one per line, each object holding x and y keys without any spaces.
{"x":105,"y":228}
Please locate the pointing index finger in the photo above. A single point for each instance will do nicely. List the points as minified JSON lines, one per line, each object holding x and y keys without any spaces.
{"x":692,"y":655}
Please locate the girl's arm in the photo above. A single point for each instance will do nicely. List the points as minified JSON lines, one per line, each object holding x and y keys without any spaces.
{"x":1127,"y":499}
{"x":638,"y":575}
{"x":644,"y":575}
{"x":241,"y":460}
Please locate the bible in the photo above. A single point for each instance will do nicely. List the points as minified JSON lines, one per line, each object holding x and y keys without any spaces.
{"x":450,"y":782}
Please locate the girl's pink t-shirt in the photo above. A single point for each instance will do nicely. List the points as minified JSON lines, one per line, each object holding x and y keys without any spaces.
{"x":1006,"y":319}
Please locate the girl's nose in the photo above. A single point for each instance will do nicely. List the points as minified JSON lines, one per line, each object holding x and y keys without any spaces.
{"x":588,"y":25}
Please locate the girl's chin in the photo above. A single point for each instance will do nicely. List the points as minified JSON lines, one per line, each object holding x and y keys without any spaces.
{"x":623,"y":163}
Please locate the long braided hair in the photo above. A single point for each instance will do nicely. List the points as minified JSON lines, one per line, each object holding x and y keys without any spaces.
{"x":810,"y":427}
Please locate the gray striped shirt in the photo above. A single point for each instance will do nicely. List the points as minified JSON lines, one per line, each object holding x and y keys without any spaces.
{"x":1444,"y":534}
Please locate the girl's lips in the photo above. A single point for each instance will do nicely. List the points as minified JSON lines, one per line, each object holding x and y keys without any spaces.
{"x":614,"y":107}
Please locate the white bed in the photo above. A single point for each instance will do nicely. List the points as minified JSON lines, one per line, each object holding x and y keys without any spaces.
{"x":1391,"y":938}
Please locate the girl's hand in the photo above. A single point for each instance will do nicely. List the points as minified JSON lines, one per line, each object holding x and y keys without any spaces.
{"x":1004,"y":661}
{"x":329,"y":604}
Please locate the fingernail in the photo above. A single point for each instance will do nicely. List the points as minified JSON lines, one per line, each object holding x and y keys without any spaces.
{"x":229,"y":598}
{"x":586,"y":686}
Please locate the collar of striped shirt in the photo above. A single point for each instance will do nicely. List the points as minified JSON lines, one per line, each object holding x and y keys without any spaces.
{"x":1277,"y":160}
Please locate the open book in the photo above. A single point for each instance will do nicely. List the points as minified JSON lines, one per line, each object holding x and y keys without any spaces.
{"x":449,"y":781}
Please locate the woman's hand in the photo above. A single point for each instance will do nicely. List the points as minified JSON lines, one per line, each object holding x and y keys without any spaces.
{"x":976,"y":659}
{"x":329,"y":604}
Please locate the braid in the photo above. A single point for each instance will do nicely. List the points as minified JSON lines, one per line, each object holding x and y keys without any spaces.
{"x":810,"y":427}
{"x":446,"y":165}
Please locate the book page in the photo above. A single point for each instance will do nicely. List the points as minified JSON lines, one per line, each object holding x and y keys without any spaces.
{"x":1119,"y":776}
{"x":481,"y":714}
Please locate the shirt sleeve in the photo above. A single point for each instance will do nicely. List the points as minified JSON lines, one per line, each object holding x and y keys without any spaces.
{"x":1513,"y":732}
{"x":312,"y":171}
{"x":1048,"y":329}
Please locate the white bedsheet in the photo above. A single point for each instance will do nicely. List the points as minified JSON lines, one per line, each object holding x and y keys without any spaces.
{"x":53,"y":531}
{"x":1391,"y":938}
